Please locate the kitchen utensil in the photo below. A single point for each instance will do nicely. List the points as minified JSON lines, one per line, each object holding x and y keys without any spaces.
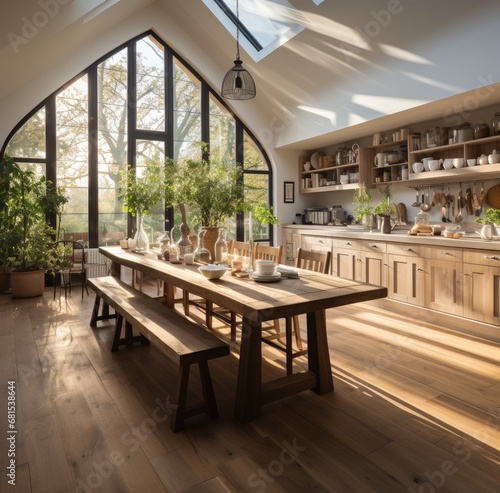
{"x":425,"y":205}
{"x":475,"y":203}
{"x":482,"y":195}
{"x":459,"y":217}
{"x":416,"y":203}
{"x":401,"y":213}
{"x":468,"y":198}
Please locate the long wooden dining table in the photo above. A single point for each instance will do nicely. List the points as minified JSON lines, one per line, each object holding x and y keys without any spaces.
{"x":311,"y":293}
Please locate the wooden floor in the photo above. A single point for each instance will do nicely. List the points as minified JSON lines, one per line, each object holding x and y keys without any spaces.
{"x":416,"y":409}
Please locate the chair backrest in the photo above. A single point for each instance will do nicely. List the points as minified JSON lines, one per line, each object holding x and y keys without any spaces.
{"x":241,"y":248}
{"x":265,"y":252}
{"x":74,"y":251}
{"x":315,"y":261}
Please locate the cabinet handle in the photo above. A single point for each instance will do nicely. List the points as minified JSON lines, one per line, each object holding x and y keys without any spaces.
{"x":348,"y":243}
{"x":407,"y":249}
{"x":420,"y":269}
{"x":358,"y":260}
{"x":491,"y":257}
{"x":444,"y":252}
{"x":372,"y":245}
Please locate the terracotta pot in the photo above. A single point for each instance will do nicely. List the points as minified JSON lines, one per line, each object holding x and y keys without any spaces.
{"x":4,"y":282}
{"x":27,"y":284}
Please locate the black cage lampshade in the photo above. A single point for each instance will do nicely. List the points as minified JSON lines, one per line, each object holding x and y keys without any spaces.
{"x":238,"y":83}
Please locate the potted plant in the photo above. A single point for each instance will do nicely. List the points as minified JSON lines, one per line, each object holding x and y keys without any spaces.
{"x":363,"y":212}
{"x":490,"y":220}
{"x":385,"y":209}
{"x":140,"y":194}
{"x":30,"y":241}
{"x":213,"y":189}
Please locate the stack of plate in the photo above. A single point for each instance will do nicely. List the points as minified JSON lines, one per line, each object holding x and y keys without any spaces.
{"x":265,"y":271}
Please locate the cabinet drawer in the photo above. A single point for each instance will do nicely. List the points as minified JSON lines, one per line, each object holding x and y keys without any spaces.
{"x":316,"y":243}
{"x":482,"y":257}
{"x":346,"y":243}
{"x":374,"y":246}
{"x":443,"y":253}
{"x":406,"y":249}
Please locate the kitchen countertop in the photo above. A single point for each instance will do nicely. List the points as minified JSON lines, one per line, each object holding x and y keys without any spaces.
{"x":468,"y":240}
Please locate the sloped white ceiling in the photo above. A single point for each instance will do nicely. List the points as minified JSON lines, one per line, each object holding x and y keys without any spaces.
{"x":358,"y":63}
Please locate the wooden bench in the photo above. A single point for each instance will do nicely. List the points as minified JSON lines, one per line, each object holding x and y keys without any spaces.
{"x":183,"y":341}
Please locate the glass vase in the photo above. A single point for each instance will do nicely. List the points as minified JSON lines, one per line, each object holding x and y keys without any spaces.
{"x":202,"y":254}
{"x":221,"y":247}
{"x":141,"y":240}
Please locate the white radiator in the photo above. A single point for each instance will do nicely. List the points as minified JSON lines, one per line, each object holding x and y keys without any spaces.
{"x":97,"y":265}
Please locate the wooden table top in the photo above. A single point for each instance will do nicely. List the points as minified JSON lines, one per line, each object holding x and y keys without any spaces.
{"x":257,"y":301}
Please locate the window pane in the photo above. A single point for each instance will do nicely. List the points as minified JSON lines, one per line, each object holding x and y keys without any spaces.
{"x":72,"y":156}
{"x":222,"y":133}
{"x":187,"y":113}
{"x":147,"y":151}
{"x":253,"y":160}
{"x":112,"y":124}
{"x":150,"y":80}
{"x":29,"y":140}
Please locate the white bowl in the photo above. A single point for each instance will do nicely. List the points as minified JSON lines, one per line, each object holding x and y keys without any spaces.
{"x":213,"y":271}
{"x":448,"y":163}
{"x":458,"y":162}
{"x":418,"y":167}
{"x":265,"y":266}
{"x":494,"y":158}
{"x":434,"y":165}
{"x":471,"y":162}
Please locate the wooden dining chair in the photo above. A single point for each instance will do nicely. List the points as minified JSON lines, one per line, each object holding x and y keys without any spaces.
{"x":309,"y":260}
{"x":260,"y":252}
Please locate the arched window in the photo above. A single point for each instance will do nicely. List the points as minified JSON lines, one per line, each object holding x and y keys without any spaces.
{"x":140,"y":102}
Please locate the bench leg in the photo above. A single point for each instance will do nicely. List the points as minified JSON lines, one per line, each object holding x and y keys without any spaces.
{"x":95,"y":312}
{"x":177,"y":421}
{"x":208,"y":390}
{"x":129,"y":338}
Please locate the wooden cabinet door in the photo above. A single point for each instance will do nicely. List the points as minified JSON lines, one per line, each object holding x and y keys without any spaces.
{"x":374,"y":268}
{"x":481,"y":293}
{"x":443,"y":286}
{"x":405,"y":277}
{"x":344,"y":263}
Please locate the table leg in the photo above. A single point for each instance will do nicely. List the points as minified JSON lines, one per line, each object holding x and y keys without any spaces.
{"x":248,"y":388}
{"x":169,"y":293}
{"x":318,"y":353}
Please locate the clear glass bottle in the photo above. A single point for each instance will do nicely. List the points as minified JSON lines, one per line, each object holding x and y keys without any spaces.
{"x":422,"y":218}
{"x":202,"y":254}
{"x":141,"y":240}
{"x":221,"y":247}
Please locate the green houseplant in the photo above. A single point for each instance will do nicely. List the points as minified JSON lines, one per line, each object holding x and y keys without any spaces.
{"x":28,"y":242}
{"x":385,"y":209}
{"x":212,"y":190}
{"x":140,"y":193}
{"x":363,"y":212}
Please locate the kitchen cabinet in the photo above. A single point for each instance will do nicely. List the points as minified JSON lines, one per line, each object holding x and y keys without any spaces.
{"x":443,"y":279}
{"x":373,"y":262}
{"x":481,"y":286}
{"x":405,"y":273}
{"x":346,"y":254}
{"x":467,"y":150}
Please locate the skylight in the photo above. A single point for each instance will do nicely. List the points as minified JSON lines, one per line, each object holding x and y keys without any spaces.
{"x":265,"y":25}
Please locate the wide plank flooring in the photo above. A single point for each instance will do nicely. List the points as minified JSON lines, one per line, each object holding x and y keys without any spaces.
{"x":416,"y":409}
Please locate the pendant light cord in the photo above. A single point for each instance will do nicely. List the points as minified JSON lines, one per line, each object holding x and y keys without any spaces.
{"x":237,"y":30}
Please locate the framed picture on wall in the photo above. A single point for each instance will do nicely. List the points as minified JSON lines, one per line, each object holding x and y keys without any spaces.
{"x":289,"y":192}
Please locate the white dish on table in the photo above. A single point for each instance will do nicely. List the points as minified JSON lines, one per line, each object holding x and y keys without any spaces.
{"x":212,"y":271}
{"x":265,"y":278}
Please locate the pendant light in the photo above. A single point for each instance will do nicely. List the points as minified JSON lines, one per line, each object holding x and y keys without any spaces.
{"x":238,"y":83}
